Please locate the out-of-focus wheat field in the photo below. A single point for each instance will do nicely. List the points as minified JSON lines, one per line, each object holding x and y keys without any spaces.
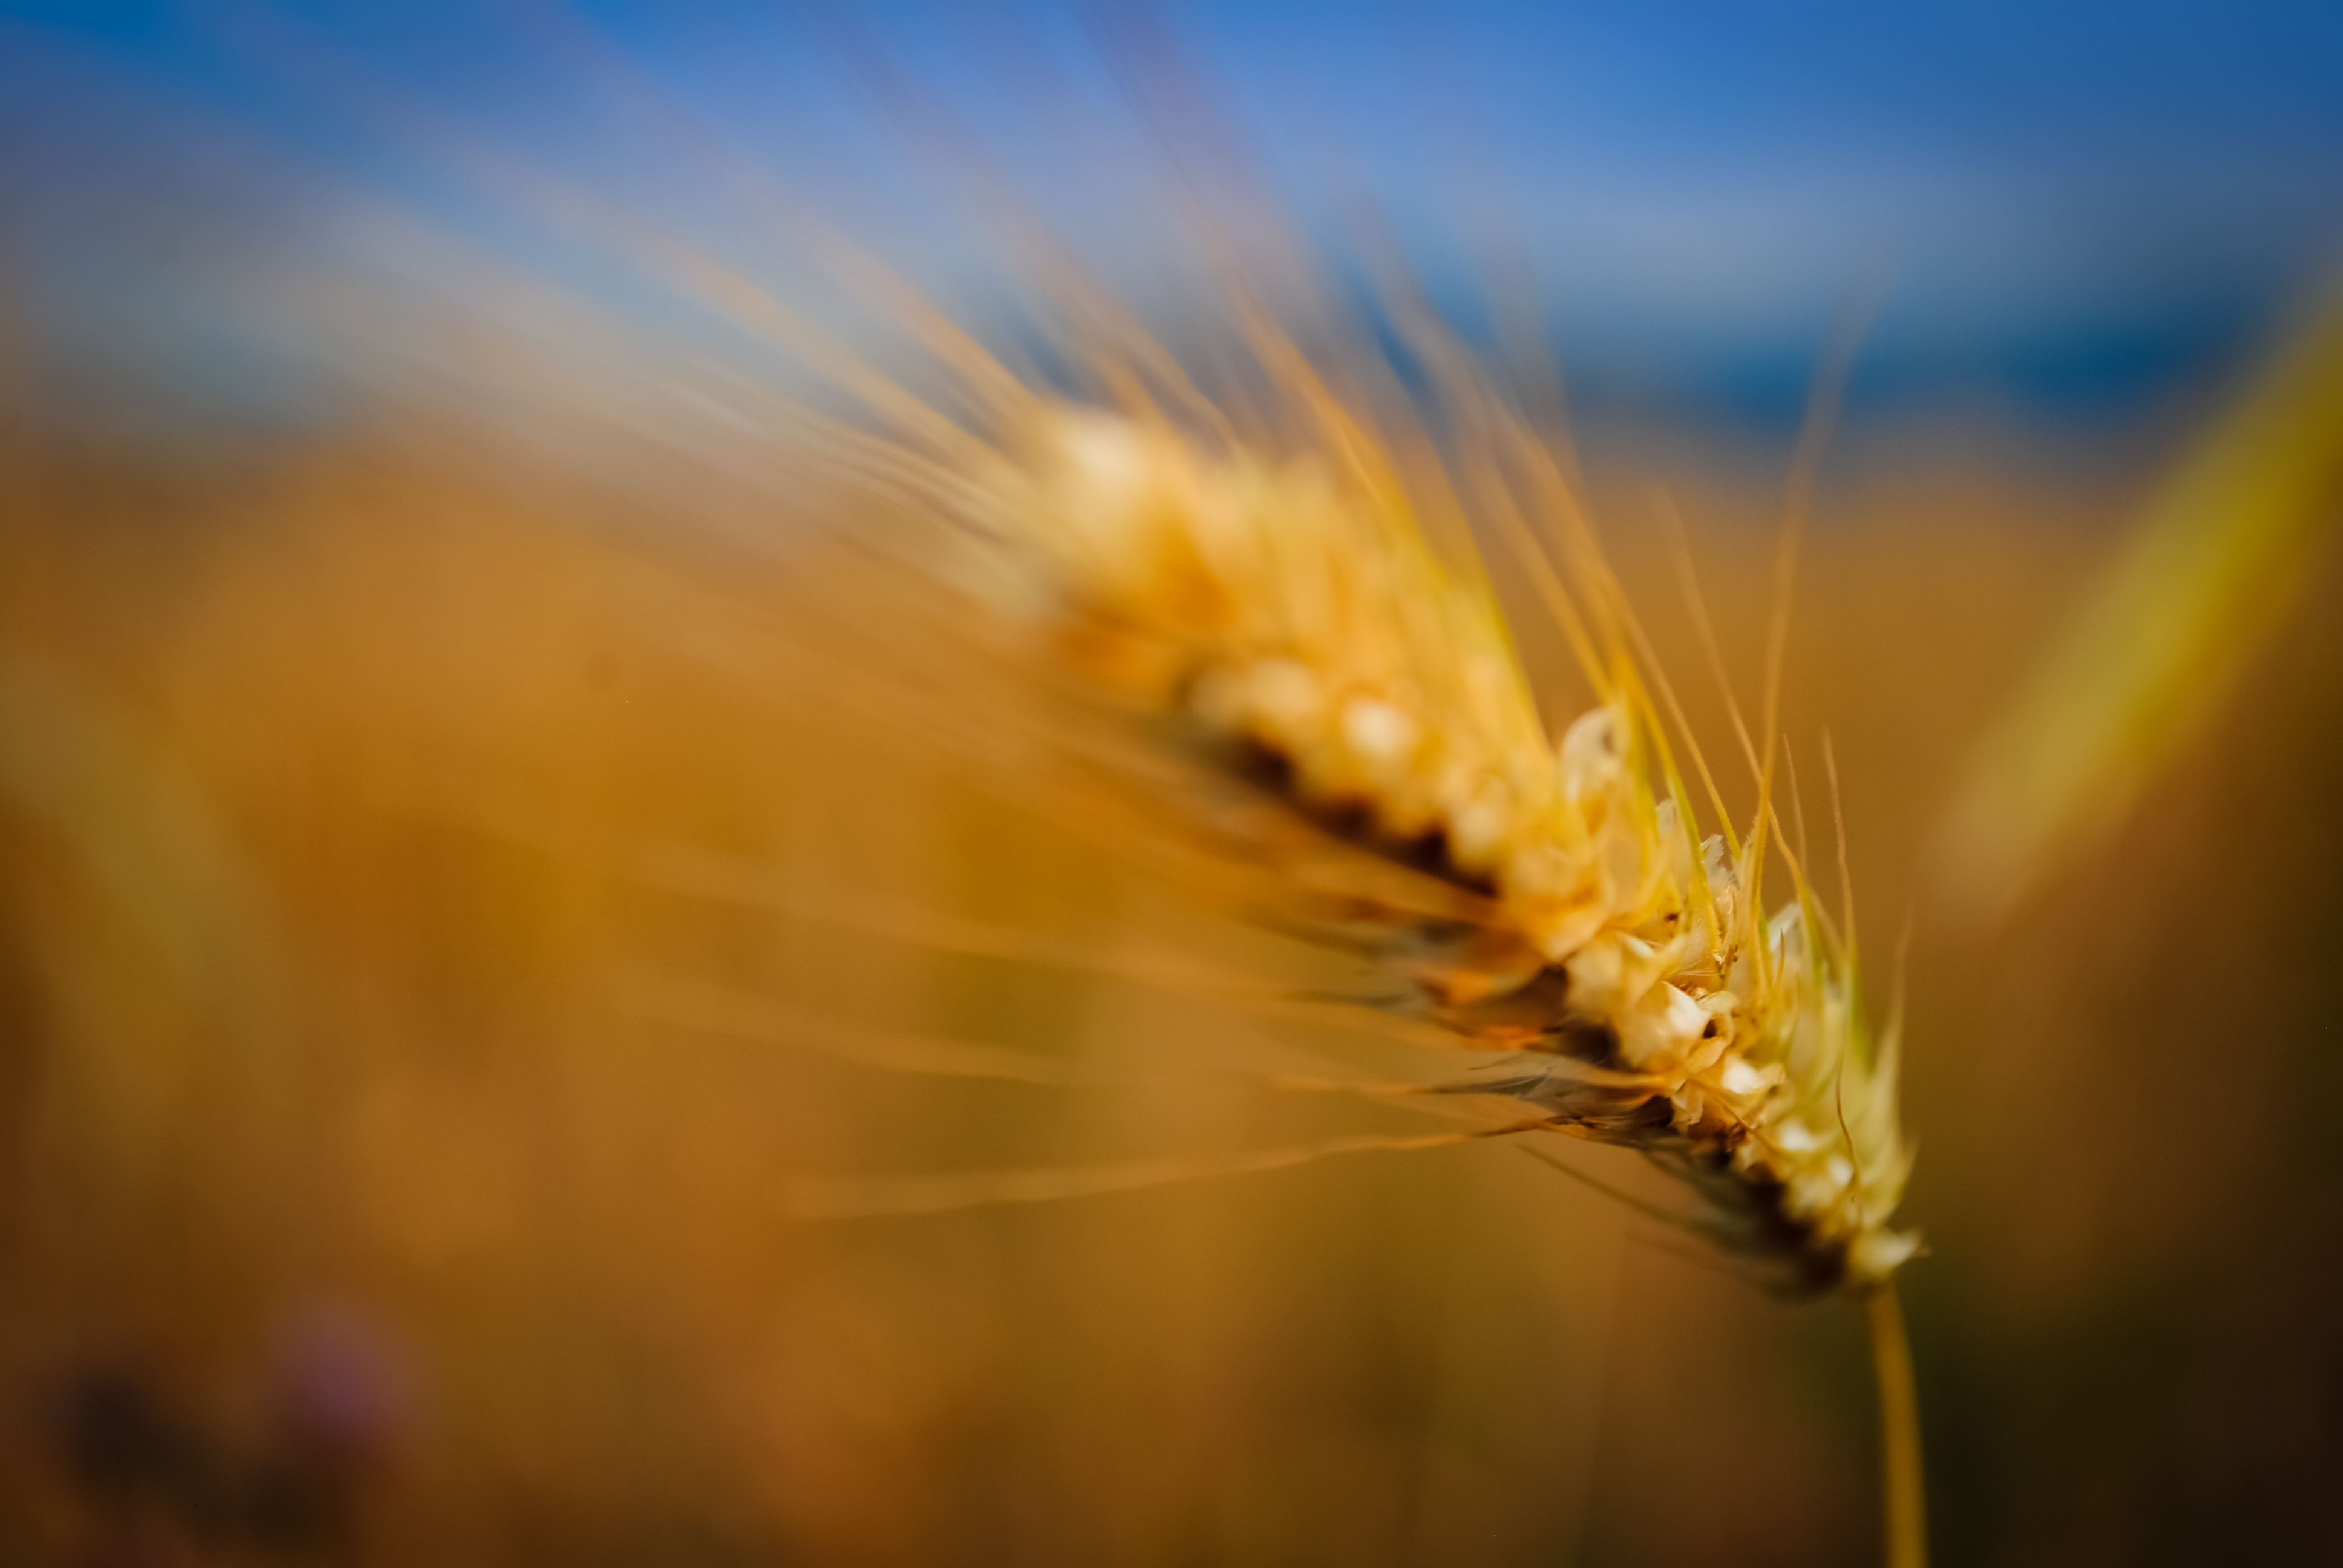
{"x":453,"y":907}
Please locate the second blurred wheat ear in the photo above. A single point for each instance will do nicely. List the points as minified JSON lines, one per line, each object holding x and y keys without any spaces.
{"x":2214,"y":562}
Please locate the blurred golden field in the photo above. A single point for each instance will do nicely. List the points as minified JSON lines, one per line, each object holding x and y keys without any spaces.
{"x":448,"y":909}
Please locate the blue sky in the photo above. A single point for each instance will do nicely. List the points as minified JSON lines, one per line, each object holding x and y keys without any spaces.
{"x":2077,"y":206}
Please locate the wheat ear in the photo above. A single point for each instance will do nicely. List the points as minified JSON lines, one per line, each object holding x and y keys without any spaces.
{"x":1300,"y":614}
{"x":1286,"y":619}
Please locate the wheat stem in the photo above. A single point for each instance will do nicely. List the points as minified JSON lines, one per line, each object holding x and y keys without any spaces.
{"x":1903,"y":1485}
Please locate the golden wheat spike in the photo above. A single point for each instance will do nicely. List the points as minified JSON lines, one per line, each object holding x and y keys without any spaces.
{"x":1282,"y":617}
{"x":1287,"y":648}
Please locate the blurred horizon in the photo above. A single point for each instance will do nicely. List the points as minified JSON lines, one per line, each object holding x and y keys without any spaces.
{"x":2079,"y":220}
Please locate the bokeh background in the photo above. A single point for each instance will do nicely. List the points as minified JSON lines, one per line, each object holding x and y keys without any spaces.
{"x":446,"y":905}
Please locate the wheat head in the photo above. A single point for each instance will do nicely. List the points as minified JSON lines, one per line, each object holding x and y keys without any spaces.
{"x":1299,"y":619}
